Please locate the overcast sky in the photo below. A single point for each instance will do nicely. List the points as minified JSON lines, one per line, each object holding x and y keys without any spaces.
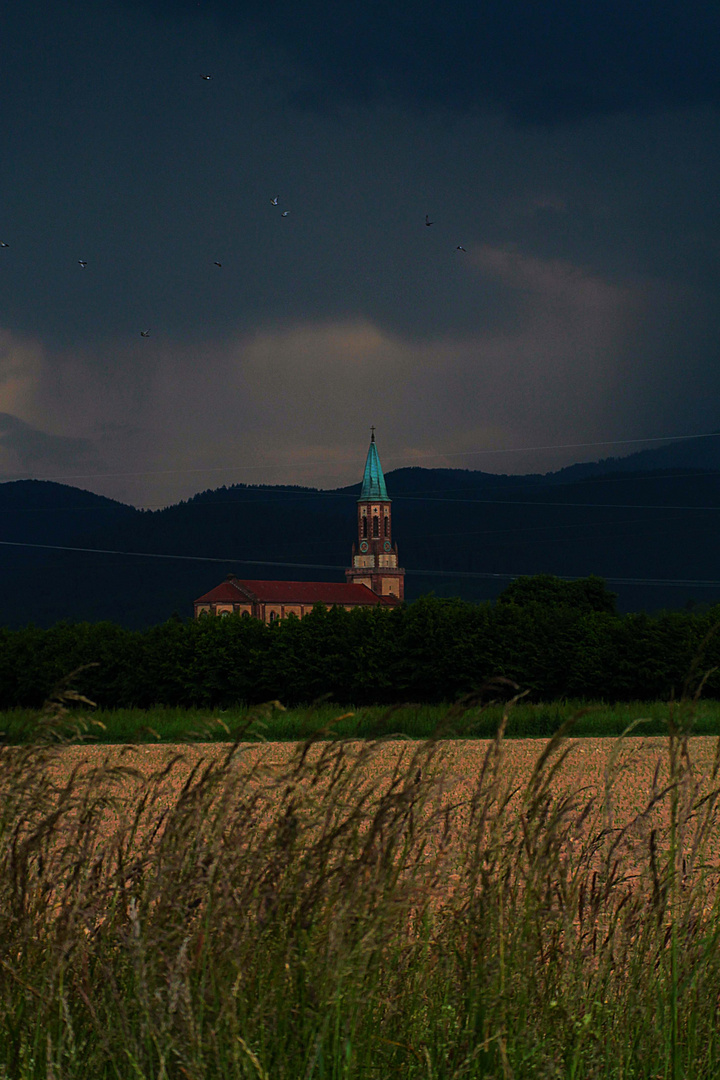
{"x":572,"y":149}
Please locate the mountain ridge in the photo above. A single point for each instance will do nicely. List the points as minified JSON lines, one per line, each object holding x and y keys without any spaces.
{"x":455,"y":529}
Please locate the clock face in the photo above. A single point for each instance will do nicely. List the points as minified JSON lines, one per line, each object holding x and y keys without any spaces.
{"x":386,"y":545}
{"x":364,"y":545}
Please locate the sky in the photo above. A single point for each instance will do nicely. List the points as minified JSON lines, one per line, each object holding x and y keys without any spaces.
{"x":566,"y":292}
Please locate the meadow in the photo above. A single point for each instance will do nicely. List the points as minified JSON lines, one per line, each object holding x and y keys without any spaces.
{"x":342,"y":908}
{"x":465,"y":719}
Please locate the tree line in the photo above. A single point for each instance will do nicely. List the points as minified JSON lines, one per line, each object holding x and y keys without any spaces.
{"x":555,"y":639}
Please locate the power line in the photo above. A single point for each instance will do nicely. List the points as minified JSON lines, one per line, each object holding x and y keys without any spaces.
{"x":574,"y":446}
{"x":389,"y":457}
{"x":543,"y":502}
{"x":680,"y":582}
{"x":398,"y":498}
{"x":156,"y":555}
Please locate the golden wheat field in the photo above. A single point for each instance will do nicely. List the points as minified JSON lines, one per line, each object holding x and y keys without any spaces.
{"x":457,"y":763}
{"x":458,"y":760}
{"x":612,"y":786}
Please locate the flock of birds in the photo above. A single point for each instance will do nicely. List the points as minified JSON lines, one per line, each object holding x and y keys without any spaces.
{"x":82,"y":263}
{"x":429,"y":222}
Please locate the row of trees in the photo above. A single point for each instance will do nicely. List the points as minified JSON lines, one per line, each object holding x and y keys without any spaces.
{"x":431,"y":650}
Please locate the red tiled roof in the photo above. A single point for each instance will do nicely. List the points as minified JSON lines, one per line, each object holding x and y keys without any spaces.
{"x":293,"y":592}
{"x":222,"y":594}
{"x":310,"y":592}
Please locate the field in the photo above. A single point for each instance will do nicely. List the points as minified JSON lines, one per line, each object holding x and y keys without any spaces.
{"x":344,"y":908}
{"x":271,"y":722}
{"x":620,"y":779}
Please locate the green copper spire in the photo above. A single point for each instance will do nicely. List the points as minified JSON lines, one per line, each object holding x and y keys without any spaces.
{"x":373,"y":485}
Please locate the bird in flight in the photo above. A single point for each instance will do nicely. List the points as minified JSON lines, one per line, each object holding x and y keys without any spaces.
{"x":285,"y":213}
{"x":460,"y":248}
{"x":274,"y":201}
{"x":428,"y":221}
{"x":83,"y":263}
{"x":3,"y":244}
{"x":206,"y":77}
{"x":144,"y":333}
{"x":218,"y":264}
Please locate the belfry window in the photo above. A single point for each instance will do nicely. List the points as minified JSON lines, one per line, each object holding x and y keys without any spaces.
{"x":376,"y":526}
{"x":387,"y":525}
{"x":364,"y":528}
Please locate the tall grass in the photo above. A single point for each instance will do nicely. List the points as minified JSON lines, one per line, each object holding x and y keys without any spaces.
{"x":416,"y":721}
{"x":321,"y":920}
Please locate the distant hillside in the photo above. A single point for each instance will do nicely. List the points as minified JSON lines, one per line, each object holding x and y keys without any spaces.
{"x":702,"y":452}
{"x":450,"y":524}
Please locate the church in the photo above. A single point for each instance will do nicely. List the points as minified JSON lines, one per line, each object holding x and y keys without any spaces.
{"x":373,"y":578}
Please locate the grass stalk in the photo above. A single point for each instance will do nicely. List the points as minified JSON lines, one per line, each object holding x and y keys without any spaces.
{"x":333,"y":915}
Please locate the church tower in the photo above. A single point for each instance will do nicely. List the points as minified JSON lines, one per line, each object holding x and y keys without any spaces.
{"x":374,"y":556}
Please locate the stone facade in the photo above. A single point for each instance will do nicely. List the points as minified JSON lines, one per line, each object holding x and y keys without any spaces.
{"x":374,"y":555}
{"x":273,"y":600}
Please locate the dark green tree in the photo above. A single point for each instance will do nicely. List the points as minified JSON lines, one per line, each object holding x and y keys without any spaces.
{"x":583,"y":594}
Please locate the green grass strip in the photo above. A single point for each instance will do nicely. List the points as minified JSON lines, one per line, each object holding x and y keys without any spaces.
{"x":272,"y":723}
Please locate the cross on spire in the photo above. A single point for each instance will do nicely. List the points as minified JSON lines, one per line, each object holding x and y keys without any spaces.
{"x":372,"y":433}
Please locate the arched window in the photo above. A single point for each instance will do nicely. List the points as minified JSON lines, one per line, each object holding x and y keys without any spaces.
{"x":387,"y":525}
{"x":274,"y":616}
{"x":364,"y":528}
{"x":376,"y":525}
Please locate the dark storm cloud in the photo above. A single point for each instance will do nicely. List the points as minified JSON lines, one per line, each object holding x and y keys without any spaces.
{"x":582,"y":304}
{"x":26,"y":449}
{"x":538,"y":62}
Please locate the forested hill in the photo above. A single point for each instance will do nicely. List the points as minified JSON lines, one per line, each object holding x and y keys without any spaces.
{"x":449,"y":524}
